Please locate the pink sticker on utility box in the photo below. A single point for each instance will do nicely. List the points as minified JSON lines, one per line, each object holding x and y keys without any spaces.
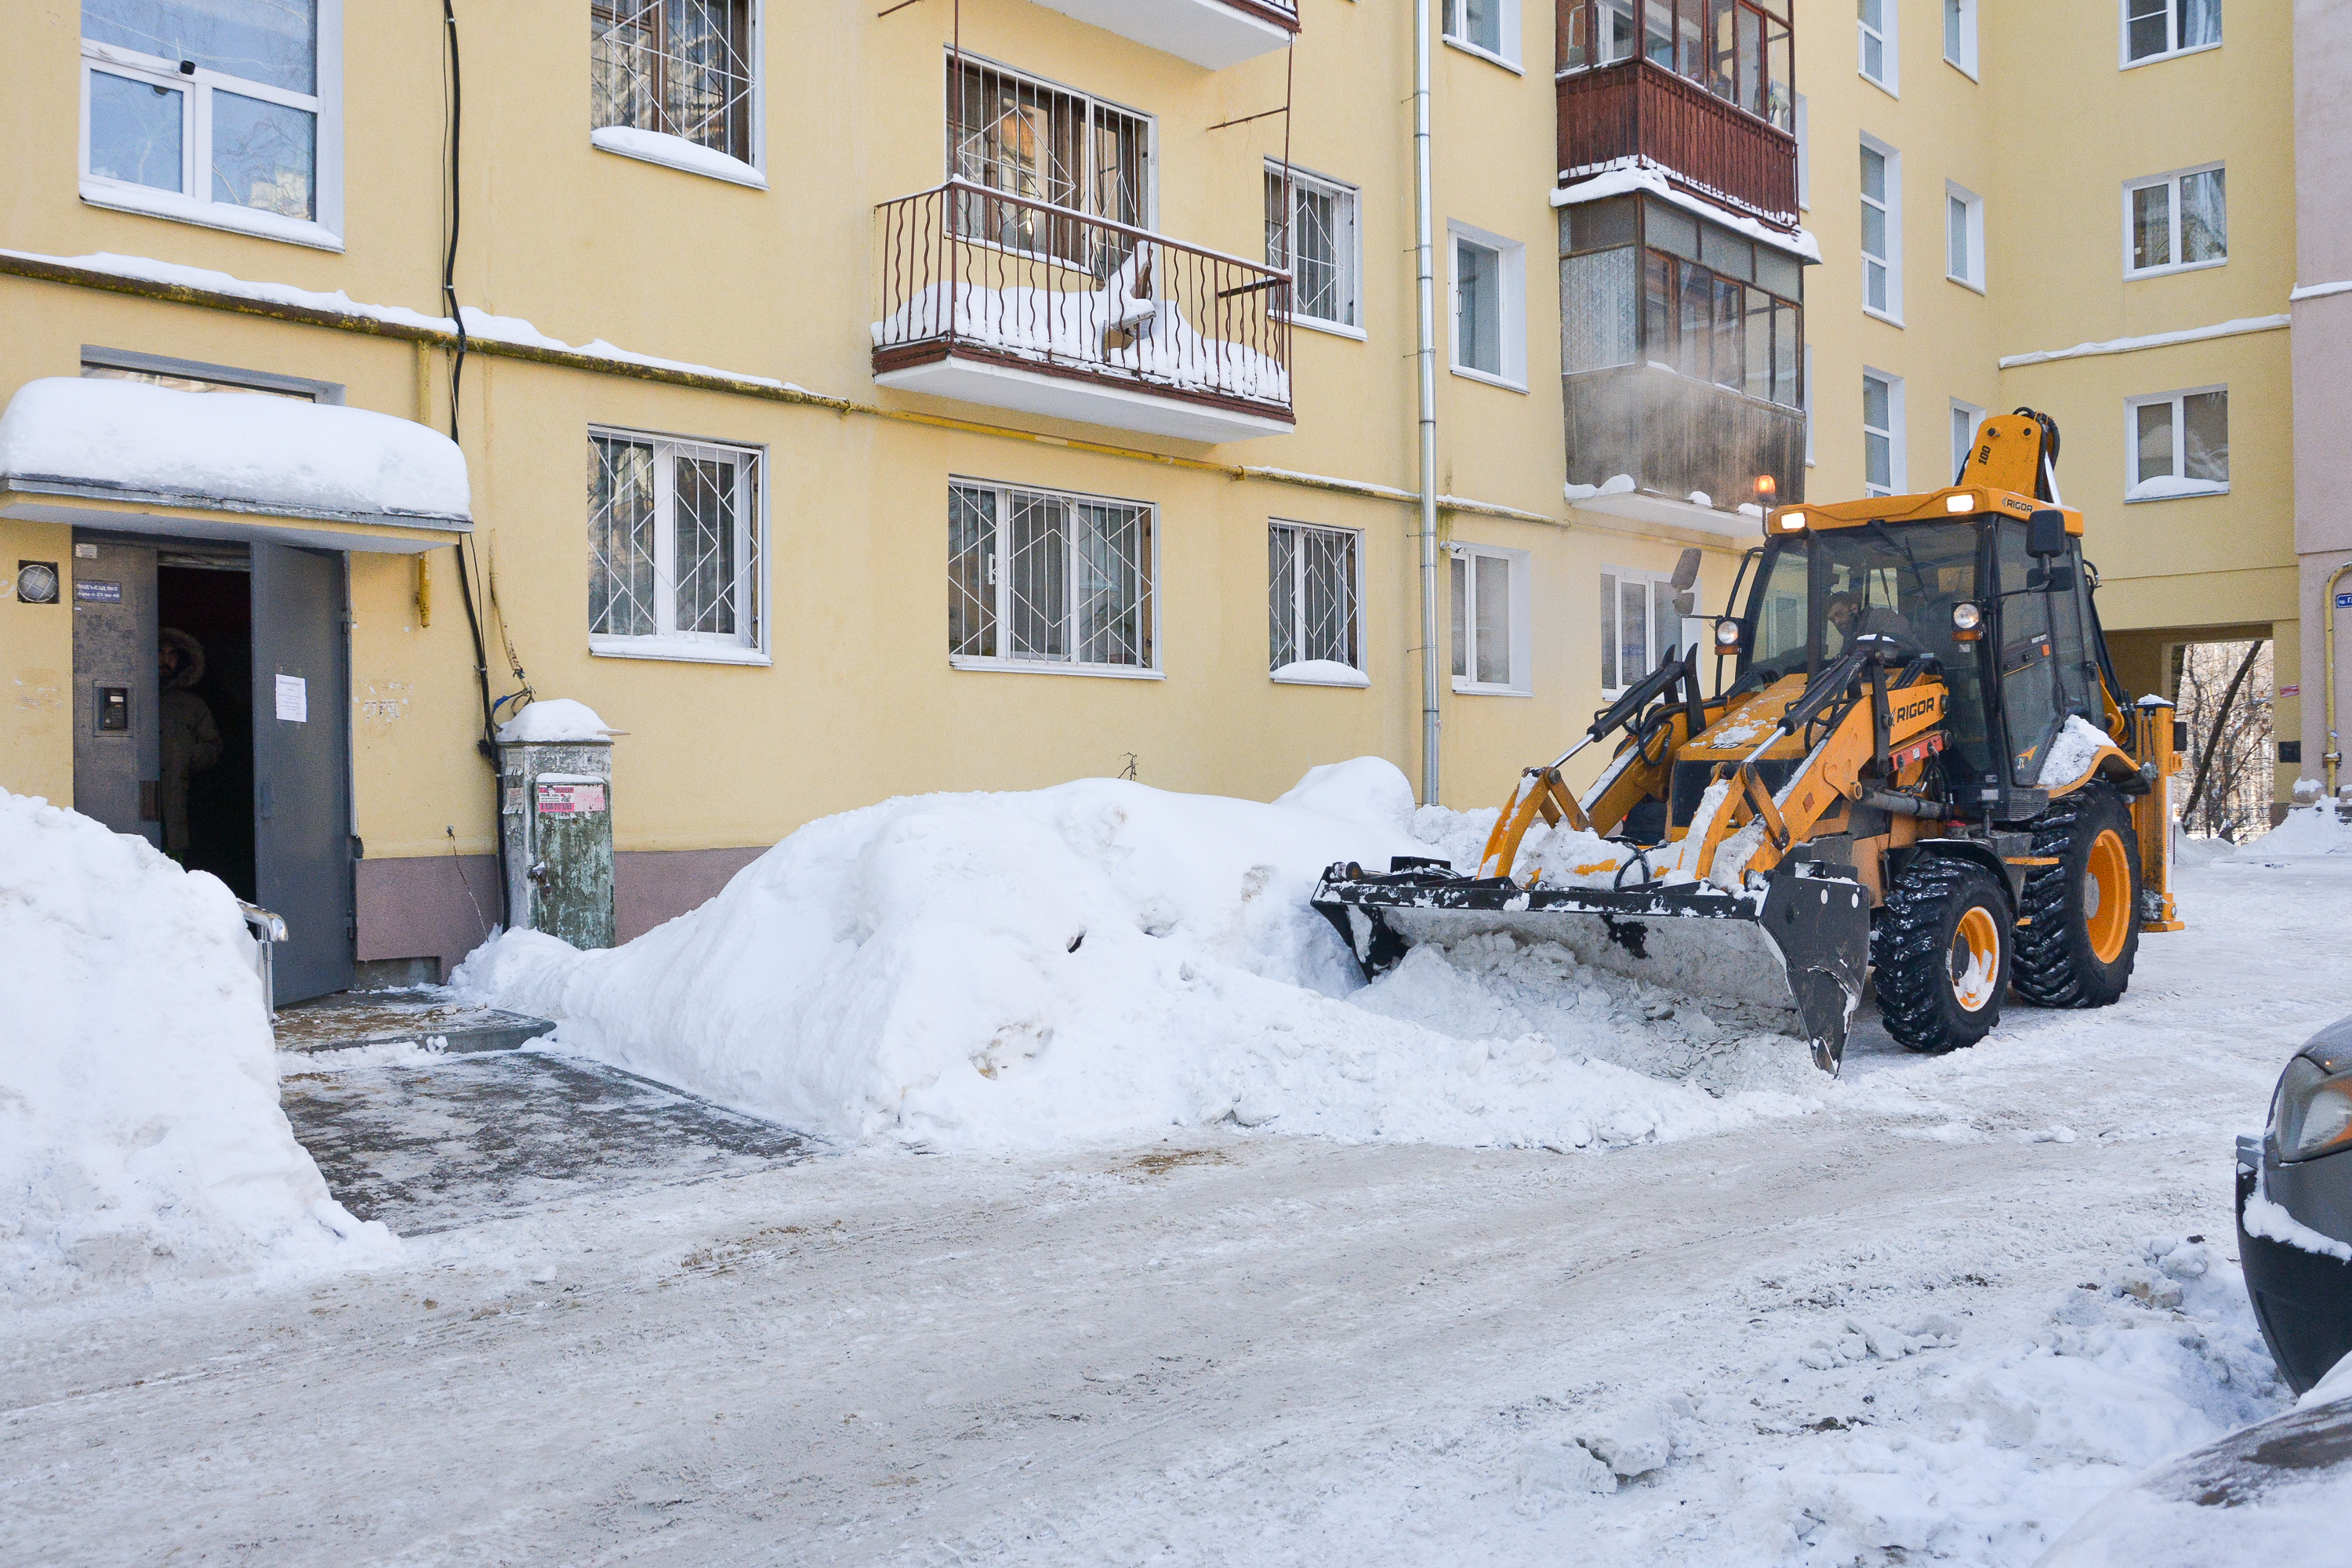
{"x":569,"y":797}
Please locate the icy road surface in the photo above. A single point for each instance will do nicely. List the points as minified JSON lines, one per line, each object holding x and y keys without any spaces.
{"x":1937,"y":1320}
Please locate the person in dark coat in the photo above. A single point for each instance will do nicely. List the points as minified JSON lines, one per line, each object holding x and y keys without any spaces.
{"x":192,"y":741}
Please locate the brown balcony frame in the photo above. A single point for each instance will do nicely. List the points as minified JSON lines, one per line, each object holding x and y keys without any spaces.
{"x":979,"y":274}
{"x":1612,"y":115}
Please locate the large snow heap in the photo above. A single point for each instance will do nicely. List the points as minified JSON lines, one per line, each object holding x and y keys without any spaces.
{"x":1101,"y":958}
{"x":139,"y":1132}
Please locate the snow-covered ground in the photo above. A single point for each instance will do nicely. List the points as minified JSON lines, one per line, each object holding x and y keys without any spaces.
{"x":1934,"y":1312}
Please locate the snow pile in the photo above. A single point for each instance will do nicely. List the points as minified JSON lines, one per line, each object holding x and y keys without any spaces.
{"x":556,"y":718}
{"x":2071,"y":753}
{"x":1115,"y":329}
{"x":2306,"y":830}
{"x":139,"y":1132}
{"x":1004,"y":971}
{"x":245,"y":447}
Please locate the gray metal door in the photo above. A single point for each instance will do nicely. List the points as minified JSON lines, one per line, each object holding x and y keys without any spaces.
{"x":117,"y":740}
{"x":301,"y":765}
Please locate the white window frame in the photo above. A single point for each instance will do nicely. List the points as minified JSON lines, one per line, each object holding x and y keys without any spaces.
{"x":2132,"y":405}
{"x":1354,"y":538}
{"x":1522,"y":599}
{"x":1892,"y":261}
{"x":1353,"y":249}
{"x":692,"y":157}
{"x":1968,"y":413}
{"x":1001,"y":580}
{"x":1898,"y":464}
{"x":2123,"y":60}
{"x":1661,"y":610}
{"x":1972,"y":237}
{"x":1960,"y":52}
{"x":1890,"y":56}
{"x":322,"y":233}
{"x":1511,"y":280}
{"x":2172,"y":179}
{"x":666,"y":642}
{"x":1507,"y":31}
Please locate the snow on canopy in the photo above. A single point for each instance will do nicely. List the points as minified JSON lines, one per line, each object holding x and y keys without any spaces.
{"x":140,"y":1131}
{"x":248,"y":447}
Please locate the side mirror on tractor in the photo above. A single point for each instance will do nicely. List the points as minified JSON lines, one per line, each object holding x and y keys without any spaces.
{"x":2045,"y":533}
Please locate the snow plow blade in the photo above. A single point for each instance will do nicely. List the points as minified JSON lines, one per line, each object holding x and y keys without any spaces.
{"x":1803,"y":943}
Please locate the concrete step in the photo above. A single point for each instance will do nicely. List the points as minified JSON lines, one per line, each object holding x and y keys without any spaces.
{"x":424,"y":1015}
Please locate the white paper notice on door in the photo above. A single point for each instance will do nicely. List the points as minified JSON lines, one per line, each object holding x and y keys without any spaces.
{"x":294,"y":699}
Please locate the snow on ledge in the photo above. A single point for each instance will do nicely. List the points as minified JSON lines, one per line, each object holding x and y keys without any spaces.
{"x":2301,"y":291}
{"x":247,"y":448}
{"x":1647,"y":177}
{"x":2152,"y":340}
{"x":677,"y":152}
{"x":556,"y":719}
{"x":1319,"y":672}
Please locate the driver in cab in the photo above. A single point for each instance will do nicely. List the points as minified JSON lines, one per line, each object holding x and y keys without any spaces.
{"x":1852,"y":620}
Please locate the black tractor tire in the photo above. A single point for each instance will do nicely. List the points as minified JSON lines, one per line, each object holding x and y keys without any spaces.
{"x":2067,"y":956}
{"x":1939,"y":914}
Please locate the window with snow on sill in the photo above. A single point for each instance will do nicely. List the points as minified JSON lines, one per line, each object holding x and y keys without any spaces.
{"x":677,"y":152}
{"x":1320,"y":672}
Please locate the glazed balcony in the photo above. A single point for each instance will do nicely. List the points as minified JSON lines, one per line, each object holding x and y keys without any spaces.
{"x":1213,"y":34}
{"x":1677,"y":440}
{"x":995,"y":298}
{"x":1610,"y":115}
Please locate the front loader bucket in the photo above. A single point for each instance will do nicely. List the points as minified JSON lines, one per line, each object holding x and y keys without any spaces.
{"x":1802,"y":943}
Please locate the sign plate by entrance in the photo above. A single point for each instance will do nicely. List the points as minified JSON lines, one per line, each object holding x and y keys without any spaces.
{"x":294,"y":699}
{"x":570,"y":799}
{"x":99,"y":593}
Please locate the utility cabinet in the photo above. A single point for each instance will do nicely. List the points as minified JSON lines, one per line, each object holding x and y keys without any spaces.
{"x":555,"y":813}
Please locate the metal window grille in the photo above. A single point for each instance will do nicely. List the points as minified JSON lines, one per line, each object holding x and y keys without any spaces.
{"x":1045,"y":144}
{"x":1039,"y":577}
{"x":1322,"y":233}
{"x":673,"y":539}
{"x":679,"y":67}
{"x":1313,"y":594}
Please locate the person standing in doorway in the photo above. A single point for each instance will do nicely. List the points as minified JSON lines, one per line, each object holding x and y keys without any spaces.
{"x":192,"y":741}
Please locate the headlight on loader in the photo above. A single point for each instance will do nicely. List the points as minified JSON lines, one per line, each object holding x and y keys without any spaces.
{"x":2313,"y":1113}
{"x":1727,"y":636}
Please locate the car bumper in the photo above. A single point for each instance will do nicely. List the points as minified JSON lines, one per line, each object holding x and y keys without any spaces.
{"x":2303,"y":1300}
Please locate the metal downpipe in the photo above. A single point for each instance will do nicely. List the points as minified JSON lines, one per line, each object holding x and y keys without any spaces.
{"x":2334,"y":756}
{"x":1427,"y":288}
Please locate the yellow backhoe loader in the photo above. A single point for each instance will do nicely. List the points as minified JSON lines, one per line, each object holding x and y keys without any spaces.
{"x":1925,"y":776}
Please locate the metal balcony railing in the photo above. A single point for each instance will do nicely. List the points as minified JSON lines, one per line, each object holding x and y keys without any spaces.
{"x":979,"y":274}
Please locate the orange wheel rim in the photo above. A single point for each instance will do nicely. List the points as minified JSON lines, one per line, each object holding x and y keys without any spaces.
{"x":1976,"y":958}
{"x":2106,"y":896}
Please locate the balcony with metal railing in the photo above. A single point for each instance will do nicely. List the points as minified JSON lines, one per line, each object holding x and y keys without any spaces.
{"x":1213,"y":33}
{"x":996,"y":298}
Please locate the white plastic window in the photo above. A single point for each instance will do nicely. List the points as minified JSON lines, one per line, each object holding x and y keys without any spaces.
{"x":223,"y":112}
{"x":2157,"y":29}
{"x":1315,"y":604}
{"x":1882,"y":434}
{"x":2178,"y":444}
{"x":1490,"y":601}
{"x":1876,"y":23}
{"x":2177,"y":221}
{"x":1490,"y":28}
{"x":1044,"y":579}
{"x":1960,"y":35}
{"x":1881,"y":230}
{"x":1489,"y":307}
{"x":1323,"y":255}
{"x":1638,"y":626}
{"x":1966,"y":417}
{"x":1964,"y":239}
{"x":675,"y":530}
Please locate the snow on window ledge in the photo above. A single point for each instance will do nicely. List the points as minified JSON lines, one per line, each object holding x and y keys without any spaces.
{"x":227,"y":216}
{"x":1318,"y":672}
{"x":1045,"y":667}
{"x":676,"y":153}
{"x":677,"y":650}
{"x":2170,"y":489}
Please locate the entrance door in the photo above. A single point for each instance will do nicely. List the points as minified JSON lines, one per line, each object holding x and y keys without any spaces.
{"x":117,"y":756}
{"x":301,"y":765}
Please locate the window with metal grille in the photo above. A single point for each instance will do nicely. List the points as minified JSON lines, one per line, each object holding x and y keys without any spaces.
{"x":1041,"y":577}
{"x":678,"y":67}
{"x":1031,"y":139}
{"x":1314,"y":599}
{"x":1317,"y":244}
{"x":673,"y":547}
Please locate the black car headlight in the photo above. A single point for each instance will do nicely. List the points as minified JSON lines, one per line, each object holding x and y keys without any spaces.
{"x":2313,"y":1113}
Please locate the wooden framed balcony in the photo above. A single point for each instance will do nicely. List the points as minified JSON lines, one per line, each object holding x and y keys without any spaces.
{"x":992,"y":298}
{"x":1715,"y":150}
{"x":1211,"y":34}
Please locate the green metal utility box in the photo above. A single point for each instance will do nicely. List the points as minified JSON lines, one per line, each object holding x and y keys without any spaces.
{"x":556,"y":813}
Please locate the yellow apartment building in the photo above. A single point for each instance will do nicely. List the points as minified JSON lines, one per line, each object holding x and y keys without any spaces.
{"x":855,"y":400}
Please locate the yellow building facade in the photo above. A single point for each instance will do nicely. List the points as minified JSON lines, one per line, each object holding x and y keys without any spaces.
{"x":979,"y":395}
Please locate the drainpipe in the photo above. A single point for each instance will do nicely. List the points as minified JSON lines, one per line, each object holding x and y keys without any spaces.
{"x":1428,"y":311}
{"x":2327,"y":651}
